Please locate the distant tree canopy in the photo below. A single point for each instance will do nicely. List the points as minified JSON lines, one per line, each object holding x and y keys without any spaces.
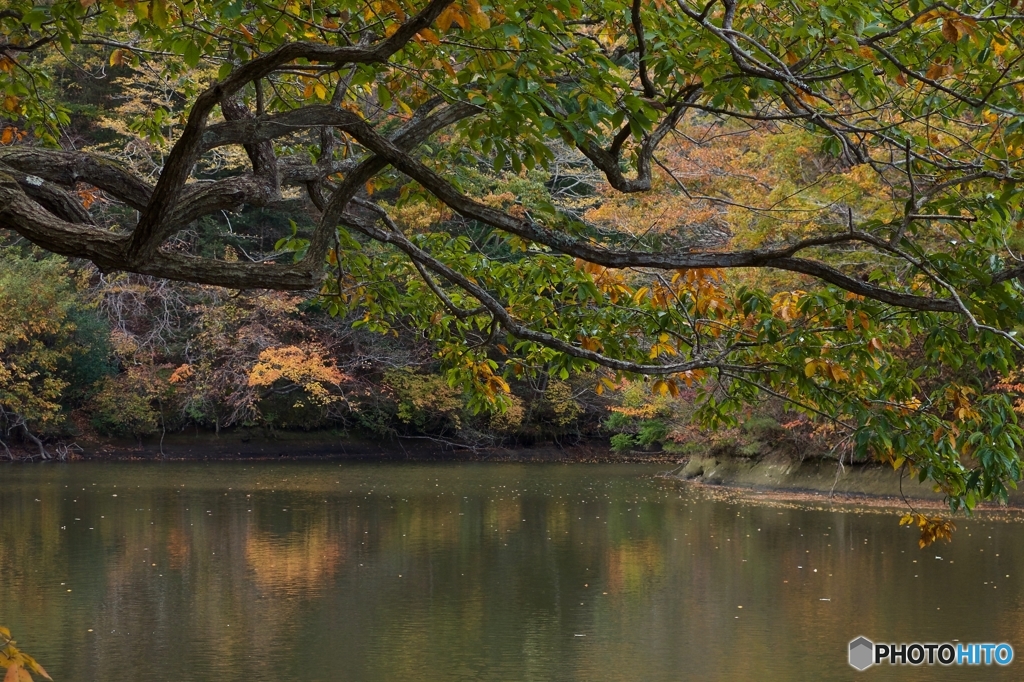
{"x":817,"y":201}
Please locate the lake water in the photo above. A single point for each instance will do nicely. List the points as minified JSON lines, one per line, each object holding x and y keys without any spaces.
{"x":386,"y":572}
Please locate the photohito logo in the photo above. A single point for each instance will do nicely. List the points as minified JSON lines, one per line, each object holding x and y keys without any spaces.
{"x":864,"y":653}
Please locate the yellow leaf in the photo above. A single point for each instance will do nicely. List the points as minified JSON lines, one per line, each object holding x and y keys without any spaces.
{"x":444,"y":21}
{"x":476,"y":15}
{"x":117,"y":58}
{"x":36,"y":668}
{"x":321,"y":91}
{"x":810,"y":367}
{"x":11,"y":103}
{"x":500,"y":383}
{"x":429,"y":36}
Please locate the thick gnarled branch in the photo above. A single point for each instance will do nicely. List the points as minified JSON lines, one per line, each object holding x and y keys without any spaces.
{"x":151,"y":229}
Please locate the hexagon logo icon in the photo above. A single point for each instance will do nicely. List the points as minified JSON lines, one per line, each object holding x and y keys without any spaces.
{"x":862,"y":653}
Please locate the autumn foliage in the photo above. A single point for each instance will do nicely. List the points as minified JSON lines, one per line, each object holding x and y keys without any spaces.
{"x":18,"y":664}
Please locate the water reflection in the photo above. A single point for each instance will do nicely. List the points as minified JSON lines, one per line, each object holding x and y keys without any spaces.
{"x":474,"y":572}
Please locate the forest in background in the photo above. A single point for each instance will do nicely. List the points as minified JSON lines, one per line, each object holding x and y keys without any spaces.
{"x":94,"y":357}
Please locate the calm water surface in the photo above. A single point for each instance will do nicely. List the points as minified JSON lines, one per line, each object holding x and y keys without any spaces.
{"x":301,"y":571}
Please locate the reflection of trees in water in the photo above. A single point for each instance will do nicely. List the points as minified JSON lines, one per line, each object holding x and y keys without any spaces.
{"x":631,"y":566}
{"x":296,"y":563}
{"x":496,"y":581}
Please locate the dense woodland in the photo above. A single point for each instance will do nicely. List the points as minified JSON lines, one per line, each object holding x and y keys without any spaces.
{"x":130,"y":357}
{"x":514,"y":221}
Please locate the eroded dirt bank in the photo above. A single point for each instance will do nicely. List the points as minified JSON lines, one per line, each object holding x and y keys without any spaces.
{"x":774,"y":472}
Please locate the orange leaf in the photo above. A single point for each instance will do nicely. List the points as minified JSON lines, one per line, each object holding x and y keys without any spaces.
{"x":391,"y":6}
{"x":7,"y":136}
{"x":937,"y":70}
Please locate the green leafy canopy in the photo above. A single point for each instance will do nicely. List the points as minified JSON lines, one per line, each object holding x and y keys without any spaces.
{"x":816,"y":202}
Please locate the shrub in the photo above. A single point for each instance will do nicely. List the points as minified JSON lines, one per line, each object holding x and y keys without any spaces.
{"x":622,"y":442}
{"x":652,"y":431}
{"x":124,"y":409}
{"x":425,"y":401}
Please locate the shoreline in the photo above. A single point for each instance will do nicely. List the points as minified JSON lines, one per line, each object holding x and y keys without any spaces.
{"x":773,"y":477}
{"x":295,"y":446}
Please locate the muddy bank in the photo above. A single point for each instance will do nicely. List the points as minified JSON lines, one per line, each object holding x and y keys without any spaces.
{"x":810,"y":476}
